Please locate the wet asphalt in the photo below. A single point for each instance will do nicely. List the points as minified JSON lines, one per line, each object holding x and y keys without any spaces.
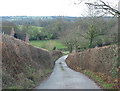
{"x":63,"y":77}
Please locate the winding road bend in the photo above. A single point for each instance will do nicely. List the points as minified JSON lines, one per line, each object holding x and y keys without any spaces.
{"x":65,"y":78}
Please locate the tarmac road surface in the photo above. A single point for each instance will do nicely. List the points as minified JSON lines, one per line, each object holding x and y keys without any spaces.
{"x":63,"y":77}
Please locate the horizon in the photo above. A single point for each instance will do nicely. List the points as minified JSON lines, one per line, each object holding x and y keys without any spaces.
{"x":52,"y":16}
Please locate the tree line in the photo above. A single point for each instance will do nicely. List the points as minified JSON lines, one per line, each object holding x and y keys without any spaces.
{"x":80,"y":34}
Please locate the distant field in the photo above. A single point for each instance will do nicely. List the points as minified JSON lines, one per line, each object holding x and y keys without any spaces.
{"x":36,"y":27}
{"x":49,"y":44}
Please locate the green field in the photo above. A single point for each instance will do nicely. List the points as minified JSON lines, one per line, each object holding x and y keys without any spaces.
{"x":32,"y":27}
{"x":49,"y":44}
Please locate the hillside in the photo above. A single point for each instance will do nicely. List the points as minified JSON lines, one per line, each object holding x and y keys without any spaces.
{"x":25,"y":66}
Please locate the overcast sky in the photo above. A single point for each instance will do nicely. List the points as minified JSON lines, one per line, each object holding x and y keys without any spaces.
{"x":43,"y":8}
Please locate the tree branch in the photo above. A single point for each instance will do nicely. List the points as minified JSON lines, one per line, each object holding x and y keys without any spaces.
{"x":106,"y":7}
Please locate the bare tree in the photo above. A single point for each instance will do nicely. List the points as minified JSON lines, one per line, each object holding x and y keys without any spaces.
{"x":101,"y":5}
{"x":109,"y":9}
{"x":92,"y":32}
{"x":91,"y":35}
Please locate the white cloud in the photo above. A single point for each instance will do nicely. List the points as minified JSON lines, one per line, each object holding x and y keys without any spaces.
{"x":41,"y":8}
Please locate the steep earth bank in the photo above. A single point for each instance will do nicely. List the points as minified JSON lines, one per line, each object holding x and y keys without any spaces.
{"x":25,"y":66}
{"x":101,"y":60}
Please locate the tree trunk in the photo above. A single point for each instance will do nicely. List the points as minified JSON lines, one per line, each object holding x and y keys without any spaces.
{"x":91,"y":40}
{"x":70,"y":48}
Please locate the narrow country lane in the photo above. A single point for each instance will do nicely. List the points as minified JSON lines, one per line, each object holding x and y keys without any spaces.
{"x":65,"y":78}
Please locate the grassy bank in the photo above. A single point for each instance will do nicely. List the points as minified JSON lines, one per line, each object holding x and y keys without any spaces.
{"x":106,"y":82}
{"x":49,"y":44}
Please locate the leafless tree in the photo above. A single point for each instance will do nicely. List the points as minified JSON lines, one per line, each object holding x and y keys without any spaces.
{"x":101,"y":5}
